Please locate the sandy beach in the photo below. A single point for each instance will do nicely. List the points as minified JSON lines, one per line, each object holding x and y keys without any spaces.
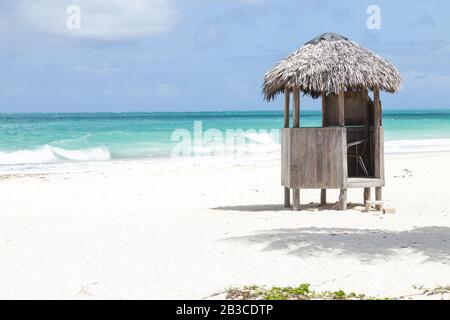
{"x":186,"y":230}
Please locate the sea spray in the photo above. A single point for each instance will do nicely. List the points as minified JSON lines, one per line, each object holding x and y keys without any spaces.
{"x":49,"y":154}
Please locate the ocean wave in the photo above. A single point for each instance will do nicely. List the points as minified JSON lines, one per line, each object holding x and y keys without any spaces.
{"x":260,"y":145}
{"x":239,"y":144}
{"x":263,"y":138}
{"x":49,"y":154}
{"x":416,"y":146}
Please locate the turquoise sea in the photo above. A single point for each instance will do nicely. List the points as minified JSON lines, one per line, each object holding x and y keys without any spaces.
{"x":49,"y":138}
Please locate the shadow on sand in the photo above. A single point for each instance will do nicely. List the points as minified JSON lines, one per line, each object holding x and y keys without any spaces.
{"x":273,"y":208}
{"x":312,"y":207}
{"x":432,"y":242}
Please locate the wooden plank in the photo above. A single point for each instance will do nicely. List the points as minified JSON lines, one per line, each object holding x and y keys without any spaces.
{"x":341,"y":105}
{"x":339,"y":166}
{"x":332,"y":158}
{"x":305,"y":163}
{"x":320,"y":156}
{"x":329,"y":180}
{"x":296,"y":161}
{"x":353,"y":183}
{"x":355,"y":111}
{"x":331,"y":111}
{"x":296,"y":108}
{"x":311,"y":153}
{"x":285,"y":157}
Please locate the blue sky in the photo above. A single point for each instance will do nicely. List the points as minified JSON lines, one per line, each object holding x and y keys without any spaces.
{"x":195,"y":55}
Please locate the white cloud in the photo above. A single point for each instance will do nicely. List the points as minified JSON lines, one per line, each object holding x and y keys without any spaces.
{"x":100,"y":19}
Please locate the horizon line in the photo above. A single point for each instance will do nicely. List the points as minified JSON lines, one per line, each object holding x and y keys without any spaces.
{"x":216,"y":111}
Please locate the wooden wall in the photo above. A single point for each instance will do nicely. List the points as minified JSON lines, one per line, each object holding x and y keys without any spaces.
{"x":356,"y":109}
{"x":314,"y":158}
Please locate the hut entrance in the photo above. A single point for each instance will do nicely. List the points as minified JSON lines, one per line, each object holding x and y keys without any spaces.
{"x":358,"y":116}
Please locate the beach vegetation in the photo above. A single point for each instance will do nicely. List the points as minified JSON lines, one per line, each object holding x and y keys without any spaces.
{"x":301,"y":292}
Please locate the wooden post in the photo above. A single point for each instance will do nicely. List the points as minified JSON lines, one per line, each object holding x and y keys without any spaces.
{"x":366,"y":195}
{"x":296,"y":124}
{"x":377,"y":108}
{"x":366,"y":114}
{"x":287,"y":197}
{"x":378,"y":197}
{"x":287,"y":95}
{"x":377,"y":143}
{"x":343,"y":200}
{"x":323,"y":192}
{"x":296,"y":200}
{"x":341,"y":117}
{"x":296,"y":108}
{"x":341,"y":102}
{"x":365,"y":95}
{"x":323,"y":197}
{"x":324,"y":110}
{"x":287,"y":191}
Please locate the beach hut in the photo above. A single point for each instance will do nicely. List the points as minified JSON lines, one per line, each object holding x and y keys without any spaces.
{"x":348,"y":150}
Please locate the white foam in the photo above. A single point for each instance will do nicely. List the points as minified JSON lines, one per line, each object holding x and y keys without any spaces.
{"x":92,"y":154}
{"x":261,"y":138}
{"x":240,"y":145}
{"x":260,"y":146}
{"x":48,"y":154}
{"x":417,"y":146}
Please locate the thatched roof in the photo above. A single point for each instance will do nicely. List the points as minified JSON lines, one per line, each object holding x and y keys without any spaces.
{"x":328,"y":64}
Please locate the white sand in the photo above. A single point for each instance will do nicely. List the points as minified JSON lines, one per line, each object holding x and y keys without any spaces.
{"x":168,"y":231}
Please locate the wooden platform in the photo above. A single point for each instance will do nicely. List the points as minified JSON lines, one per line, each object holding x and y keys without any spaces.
{"x":364,"y":182}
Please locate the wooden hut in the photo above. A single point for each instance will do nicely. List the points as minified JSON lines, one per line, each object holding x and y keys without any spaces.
{"x":348,"y":150}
